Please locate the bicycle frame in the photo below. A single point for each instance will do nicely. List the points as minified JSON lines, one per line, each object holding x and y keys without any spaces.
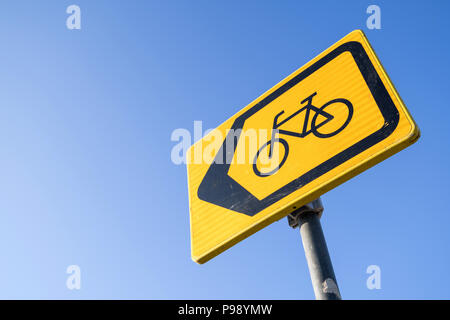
{"x":304,"y":131}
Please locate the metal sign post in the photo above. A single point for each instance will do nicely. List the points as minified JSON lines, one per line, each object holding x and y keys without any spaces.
{"x":307,"y":218}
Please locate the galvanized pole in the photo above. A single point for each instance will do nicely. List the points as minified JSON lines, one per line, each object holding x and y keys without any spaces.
{"x":316,"y":251}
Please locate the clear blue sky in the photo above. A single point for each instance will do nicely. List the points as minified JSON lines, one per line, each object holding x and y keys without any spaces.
{"x":86,"y":176}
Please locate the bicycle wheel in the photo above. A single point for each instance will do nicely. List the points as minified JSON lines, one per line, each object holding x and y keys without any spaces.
{"x":349,"y":110}
{"x":283,"y":143}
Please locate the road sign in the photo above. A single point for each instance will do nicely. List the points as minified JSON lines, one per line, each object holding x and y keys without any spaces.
{"x":327,"y":122}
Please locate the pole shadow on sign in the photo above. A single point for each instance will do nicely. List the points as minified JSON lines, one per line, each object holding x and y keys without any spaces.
{"x":218,"y":183}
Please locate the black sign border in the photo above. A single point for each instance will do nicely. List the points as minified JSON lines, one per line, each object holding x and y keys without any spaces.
{"x":219,"y":188}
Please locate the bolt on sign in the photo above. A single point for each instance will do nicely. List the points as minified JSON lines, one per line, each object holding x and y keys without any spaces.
{"x":327,"y":122}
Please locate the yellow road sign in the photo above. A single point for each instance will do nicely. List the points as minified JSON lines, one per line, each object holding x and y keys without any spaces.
{"x":327,"y":122}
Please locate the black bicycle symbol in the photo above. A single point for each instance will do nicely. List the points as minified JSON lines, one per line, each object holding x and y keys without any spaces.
{"x":304,"y":132}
